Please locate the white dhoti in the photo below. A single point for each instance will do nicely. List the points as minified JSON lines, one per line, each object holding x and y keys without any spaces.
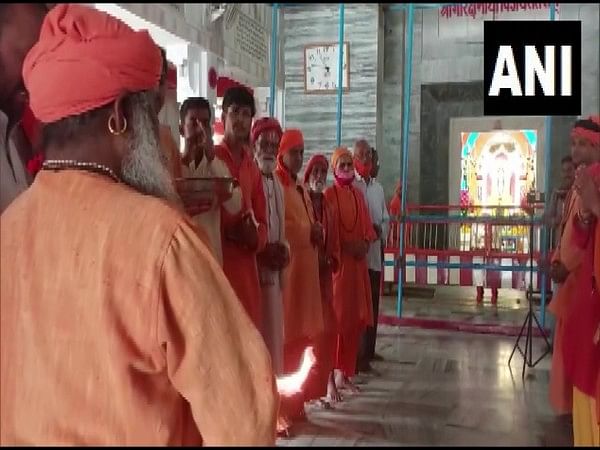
{"x":271,"y":282}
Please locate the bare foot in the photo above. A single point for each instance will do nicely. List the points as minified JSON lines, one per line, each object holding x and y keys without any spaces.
{"x":333,"y":395}
{"x":343,"y":382}
{"x":283,"y":426}
{"x":324,"y":404}
{"x":348,"y":384}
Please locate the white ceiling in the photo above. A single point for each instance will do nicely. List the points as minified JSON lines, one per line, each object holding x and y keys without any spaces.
{"x":160,"y":36}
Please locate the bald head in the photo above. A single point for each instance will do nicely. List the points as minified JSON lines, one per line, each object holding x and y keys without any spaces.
{"x":20,"y":25}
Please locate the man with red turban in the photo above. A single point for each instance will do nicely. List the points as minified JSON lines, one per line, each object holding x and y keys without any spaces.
{"x":315,"y":179}
{"x":265,"y":137}
{"x":581,"y":330}
{"x":244,"y":235}
{"x":351,"y":284}
{"x":125,"y":331}
{"x":565,"y":268}
{"x":303,"y":316}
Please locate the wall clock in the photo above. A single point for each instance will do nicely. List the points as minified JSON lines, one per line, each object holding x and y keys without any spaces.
{"x":321,"y":68}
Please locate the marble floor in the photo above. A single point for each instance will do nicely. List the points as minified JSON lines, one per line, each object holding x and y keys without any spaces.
{"x":458,"y":303}
{"x":441,"y":388}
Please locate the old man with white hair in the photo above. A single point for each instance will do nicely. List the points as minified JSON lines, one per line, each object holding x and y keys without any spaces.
{"x":375,"y":200}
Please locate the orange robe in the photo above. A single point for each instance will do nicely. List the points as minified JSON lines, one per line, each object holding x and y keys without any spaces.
{"x":303,"y":314}
{"x":597,"y":276}
{"x":351,"y":284}
{"x":561,"y":390}
{"x":328,"y":339}
{"x":239,"y":264}
{"x":581,"y":341}
{"x":118,"y":326}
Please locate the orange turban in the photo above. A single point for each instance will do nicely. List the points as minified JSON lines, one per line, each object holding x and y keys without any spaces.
{"x":337,"y":154}
{"x":588,"y":129}
{"x":291,"y":138}
{"x":85,"y":59}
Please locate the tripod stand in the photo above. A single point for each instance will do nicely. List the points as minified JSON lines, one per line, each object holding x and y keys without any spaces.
{"x":527,"y":327}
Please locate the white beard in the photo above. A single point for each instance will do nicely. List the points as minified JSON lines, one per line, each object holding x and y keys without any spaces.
{"x":266,"y":166}
{"x":144,"y":168}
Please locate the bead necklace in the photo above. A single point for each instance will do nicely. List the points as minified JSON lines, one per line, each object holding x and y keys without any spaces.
{"x":62,"y":164}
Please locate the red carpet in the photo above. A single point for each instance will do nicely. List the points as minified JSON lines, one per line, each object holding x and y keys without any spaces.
{"x":452,"y":325}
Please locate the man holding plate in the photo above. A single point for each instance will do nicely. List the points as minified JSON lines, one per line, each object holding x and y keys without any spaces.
{"x":208,"y":184}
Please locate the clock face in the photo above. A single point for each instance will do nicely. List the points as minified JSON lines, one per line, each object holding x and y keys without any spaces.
{"x":321,"y":67}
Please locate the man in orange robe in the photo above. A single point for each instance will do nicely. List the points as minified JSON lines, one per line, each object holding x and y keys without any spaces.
{"x":351,"y":284}
{"x":244,"y":235}
{"x":565,"y":265}
{"x":303,"y":314}
{"x":117,"y":325}
{"x":582,"y":325}
{"x":315,"y":179}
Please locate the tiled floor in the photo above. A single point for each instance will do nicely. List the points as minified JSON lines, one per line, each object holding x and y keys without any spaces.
{"x":458,"y":303}
{"x":441,"y":388}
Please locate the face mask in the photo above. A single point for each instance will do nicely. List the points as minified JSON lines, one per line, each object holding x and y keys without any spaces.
{"x":364,"y":170}
{"x":344,"y":178}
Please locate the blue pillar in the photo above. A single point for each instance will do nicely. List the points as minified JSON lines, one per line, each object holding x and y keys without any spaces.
{"x":340,"y":87}
{"x":406,"y":94}
{"x":547,"y":162}
{"x":274,"y":26}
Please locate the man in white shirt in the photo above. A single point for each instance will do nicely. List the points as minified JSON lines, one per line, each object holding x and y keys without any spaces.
{"x":199,"y":161}
{"x":20,"y":25}
{"x":375,"y":199}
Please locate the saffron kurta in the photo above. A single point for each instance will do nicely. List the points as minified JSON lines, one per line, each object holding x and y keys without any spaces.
{"x":581,"y":340}
{"x":329,"y":252}
{"x":239,"y":264}
{"x":302,"y":293}
{"x":561,"y":390}
{"x":118,"y":326}
{"x":351,"y":285}
{"x":303,"y":315}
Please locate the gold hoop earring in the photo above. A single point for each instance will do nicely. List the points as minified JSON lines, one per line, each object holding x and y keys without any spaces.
{"x":111,"y":126}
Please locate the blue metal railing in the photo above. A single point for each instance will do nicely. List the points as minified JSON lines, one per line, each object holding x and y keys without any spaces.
{"x":406,"y":91}
{"x":547,"y":160}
